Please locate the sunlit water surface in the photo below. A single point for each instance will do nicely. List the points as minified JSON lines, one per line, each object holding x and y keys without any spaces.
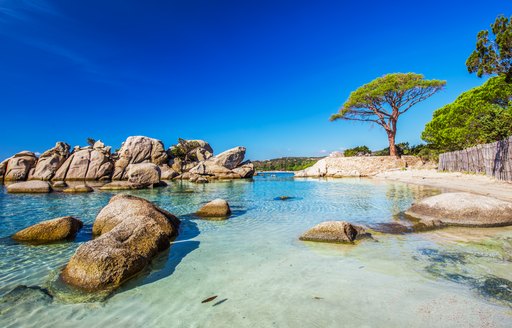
{"x":262,"y":275}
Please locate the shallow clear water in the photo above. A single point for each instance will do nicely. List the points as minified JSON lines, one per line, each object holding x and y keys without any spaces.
{"x":262,"y":274}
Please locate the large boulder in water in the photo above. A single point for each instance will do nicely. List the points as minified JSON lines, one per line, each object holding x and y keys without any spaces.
{"x":87,"y":163}
{"x":231,"y":158}
{"x":31,"y":187}
{"x":50,"y":161}
{"x":335,"y":232}
{"x":138,"y":149}
{"x":50,"y":231}
{"x":18,"y":167}
{"x":146,"y":174}
{"x":218,"y":208}
{"x":227,"y":165}
{"x":462,"y":209}
{"x":245,"y":170}
{"x":131,"y":232}
{"x":3,"y":168}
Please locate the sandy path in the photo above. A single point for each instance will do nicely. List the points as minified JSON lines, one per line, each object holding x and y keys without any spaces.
{"x":452,"y":181}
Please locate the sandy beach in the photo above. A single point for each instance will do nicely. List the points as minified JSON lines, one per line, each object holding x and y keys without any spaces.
{"x":452,"y":181}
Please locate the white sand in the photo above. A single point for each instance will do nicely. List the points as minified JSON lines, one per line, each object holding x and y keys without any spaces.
{"x":452,"y":181}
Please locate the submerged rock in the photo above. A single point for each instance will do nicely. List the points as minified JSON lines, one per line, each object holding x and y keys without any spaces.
{"x":335,"y":232}
{"x":50,"y":161}
{"x":25,"y":295}
{"x":131,"y":232}
{"x":78,"y":189}
{"x":121,"y":185}
{"x":50,"y":230}
{"x":147,"y":174}
{"x":461,"y":209}
{"x":59,"y":184}
{"x":218,"y":208}
{"x":33,"y":186}
{"x":18,"y":167}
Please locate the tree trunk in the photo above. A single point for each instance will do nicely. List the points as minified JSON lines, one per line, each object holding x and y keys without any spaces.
{"x":392,"y":147}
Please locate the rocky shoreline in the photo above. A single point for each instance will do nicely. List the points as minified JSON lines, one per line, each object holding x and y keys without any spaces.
{"x":141,"y":162}
{"x":337,"y":166}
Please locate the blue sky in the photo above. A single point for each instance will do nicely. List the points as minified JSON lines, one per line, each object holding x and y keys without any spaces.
{"x":263,"y":74}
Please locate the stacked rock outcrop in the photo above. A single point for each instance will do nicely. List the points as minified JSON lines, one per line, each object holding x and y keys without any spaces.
{"x":141,"y":160}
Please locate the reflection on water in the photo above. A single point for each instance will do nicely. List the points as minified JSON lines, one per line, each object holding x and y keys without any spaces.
{"x":261,"y":273}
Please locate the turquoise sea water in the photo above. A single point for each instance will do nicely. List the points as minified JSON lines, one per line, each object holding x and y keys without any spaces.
{"x":262,"y":275}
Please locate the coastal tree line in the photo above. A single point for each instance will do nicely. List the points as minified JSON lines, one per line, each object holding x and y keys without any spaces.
{"x":480,"y":115}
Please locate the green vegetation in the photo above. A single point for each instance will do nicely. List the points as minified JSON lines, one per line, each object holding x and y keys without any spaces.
{"x":493,"y":55}
{"x":91,"y":141}
{"x":478,"y":116}
{"x":483,"y":114}
{"x":402,"y":148}
{"x":384,"y":99}
{"x":357,"y":151}
{"x":285,"y":164}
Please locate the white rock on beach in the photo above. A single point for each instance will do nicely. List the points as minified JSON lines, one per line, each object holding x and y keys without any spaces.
{"x":462,"y":209}
{"x":363,"y":166}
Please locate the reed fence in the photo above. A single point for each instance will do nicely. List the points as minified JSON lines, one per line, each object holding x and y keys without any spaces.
{"x":493,"y":159}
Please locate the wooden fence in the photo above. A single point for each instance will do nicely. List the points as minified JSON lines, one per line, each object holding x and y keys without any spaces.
{"x":493,"y":159}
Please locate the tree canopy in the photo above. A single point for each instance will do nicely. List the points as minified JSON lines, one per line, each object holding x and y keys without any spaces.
{"x":384,"y":99}
{"x":493,"y":54}
{"x":480,"y":115}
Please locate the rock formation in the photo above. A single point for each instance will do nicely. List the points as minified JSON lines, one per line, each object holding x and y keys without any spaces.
{"x":338,"y":167}
{"x":138,"y":149}
{"x":226,"y":165}
{"x":78,"y":189}
{"x":335,"y":232}
{"x":461,"y":209}
{"x":3,"y":168}
{"x":189,"y":159}
{"x":231,"y":158}
{"x":146,"y":174}
{"x":29,"y":187}
{"x":17,"y":168}
{"x":87,"y":163}
{"x":121,"y":185}
{"x":131,"y":232}
{"x":218,"y":208}
{"x":50,"y":161}
{"x":50,"y":230}
{"x":188,"y":153}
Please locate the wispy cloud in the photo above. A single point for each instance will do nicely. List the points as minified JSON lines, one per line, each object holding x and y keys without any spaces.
{"x":21,"y":21}
{"x":24,"y":10}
